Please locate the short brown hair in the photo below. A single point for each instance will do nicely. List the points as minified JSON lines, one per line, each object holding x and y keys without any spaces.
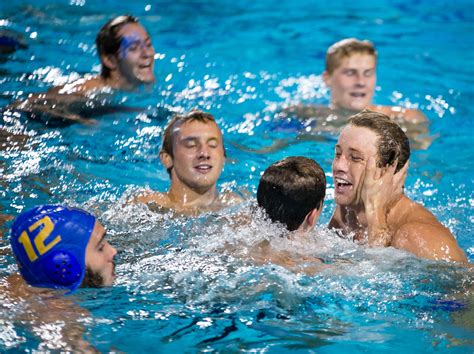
{"x":177,"y":121}
{"x":392,"y":141}
{"x":108,"y":40}
{"x":344,"y":49}
{"x":289,"y":189}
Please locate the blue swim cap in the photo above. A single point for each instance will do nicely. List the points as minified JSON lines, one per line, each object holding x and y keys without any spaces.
{"x":49,"y":243}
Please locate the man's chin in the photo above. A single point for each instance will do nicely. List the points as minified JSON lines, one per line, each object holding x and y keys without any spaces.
{"x":145,"y":79}
{"x":343,"y":200}
{"x":148,"y":81}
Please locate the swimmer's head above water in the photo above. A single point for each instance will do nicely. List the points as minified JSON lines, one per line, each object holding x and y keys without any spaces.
{"x":62,"y":248}
{"x":126,"y":52}
{"x":292,"y":191}
{"x":193,"y":149}
{"x":351,"y":73}
{"x":368,"y":134}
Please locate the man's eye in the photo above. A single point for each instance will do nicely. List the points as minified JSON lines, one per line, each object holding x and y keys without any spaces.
{"x":133,"y":47}
{"x":356,"y":158}
{"x":369,"y":73}
{"x":350,"y":72}
{"x":101,"y":247}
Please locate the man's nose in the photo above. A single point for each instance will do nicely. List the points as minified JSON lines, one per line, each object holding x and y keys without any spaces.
{"x":147,"y":51}
{"x":113,"y":252}
{"x":361,"y":80}
{"x":204,"y":152}
{"x":339,"y":164}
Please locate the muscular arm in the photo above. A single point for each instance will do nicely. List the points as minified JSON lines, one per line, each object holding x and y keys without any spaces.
{"x":428,"y":240}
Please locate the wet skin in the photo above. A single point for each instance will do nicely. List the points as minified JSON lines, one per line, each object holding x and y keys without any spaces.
{"x":100,"y":256}
{"x":352,"y":83}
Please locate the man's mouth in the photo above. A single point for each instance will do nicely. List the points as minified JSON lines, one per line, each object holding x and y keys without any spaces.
{"x":204,"y":168}
{"x":145,"y":66}
{"x":358,"y":94}
{"x":342,"y":184}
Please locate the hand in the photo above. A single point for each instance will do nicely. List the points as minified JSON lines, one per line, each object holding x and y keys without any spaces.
{"x":381,"y":187}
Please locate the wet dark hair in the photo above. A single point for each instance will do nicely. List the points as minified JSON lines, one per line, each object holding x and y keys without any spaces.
{"x":108,"y":40}
{"x":177,"y":121}
{"x":392,"y":141}
{"x":289,"y":189}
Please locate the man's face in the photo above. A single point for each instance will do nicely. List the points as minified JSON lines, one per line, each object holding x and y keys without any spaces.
{"x":99,"y":259}
{"x":198,"y":155}
{"x":352,"y":83}
{"x":136,"y":56}
{"x":354,"y":147}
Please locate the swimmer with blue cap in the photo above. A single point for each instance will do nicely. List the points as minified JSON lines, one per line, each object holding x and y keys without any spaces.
{"x":62,"y":248}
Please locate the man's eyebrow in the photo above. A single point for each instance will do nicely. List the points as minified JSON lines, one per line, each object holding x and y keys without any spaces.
{"x":101,"y":238}
{"x":355,"y":150}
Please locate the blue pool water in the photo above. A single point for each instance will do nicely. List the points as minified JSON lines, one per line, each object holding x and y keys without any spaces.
{"x":242,"y":61}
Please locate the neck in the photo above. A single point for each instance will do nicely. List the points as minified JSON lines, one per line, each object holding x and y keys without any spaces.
{"x":184,"y":197}
{"x":117,"y":82}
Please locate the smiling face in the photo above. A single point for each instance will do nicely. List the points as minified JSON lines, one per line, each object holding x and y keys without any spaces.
{"x":353,"y":149}
{"x":100,"y":265}
{"x":198,"y":155}
{"x":352,"y":83}
{"x":136,"y":55}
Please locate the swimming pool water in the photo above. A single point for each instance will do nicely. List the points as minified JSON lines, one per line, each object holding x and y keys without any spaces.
{"x":176,"y":289}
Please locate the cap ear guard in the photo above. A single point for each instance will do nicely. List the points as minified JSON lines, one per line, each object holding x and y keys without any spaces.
{"x":63,"y":268}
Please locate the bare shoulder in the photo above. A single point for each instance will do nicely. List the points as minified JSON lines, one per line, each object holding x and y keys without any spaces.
{"x":149,"y":196}
{"x":420,"y":233}
{"x":229,"y":198}
{"x":401,"y":113}
{"x":79,"y":87}
{"x":307,"y":111}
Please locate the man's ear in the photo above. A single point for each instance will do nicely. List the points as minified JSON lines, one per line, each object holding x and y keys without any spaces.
{"x":109,"y":61}
{"x":166,"y":160}
{"x":326,"y":78}
{"x":312,"y":218}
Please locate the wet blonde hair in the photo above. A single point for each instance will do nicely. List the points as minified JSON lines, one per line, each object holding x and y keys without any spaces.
{"x":344,"y":49}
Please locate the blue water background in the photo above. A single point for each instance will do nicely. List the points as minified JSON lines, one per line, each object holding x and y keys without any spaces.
{"x":241,"y":61}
